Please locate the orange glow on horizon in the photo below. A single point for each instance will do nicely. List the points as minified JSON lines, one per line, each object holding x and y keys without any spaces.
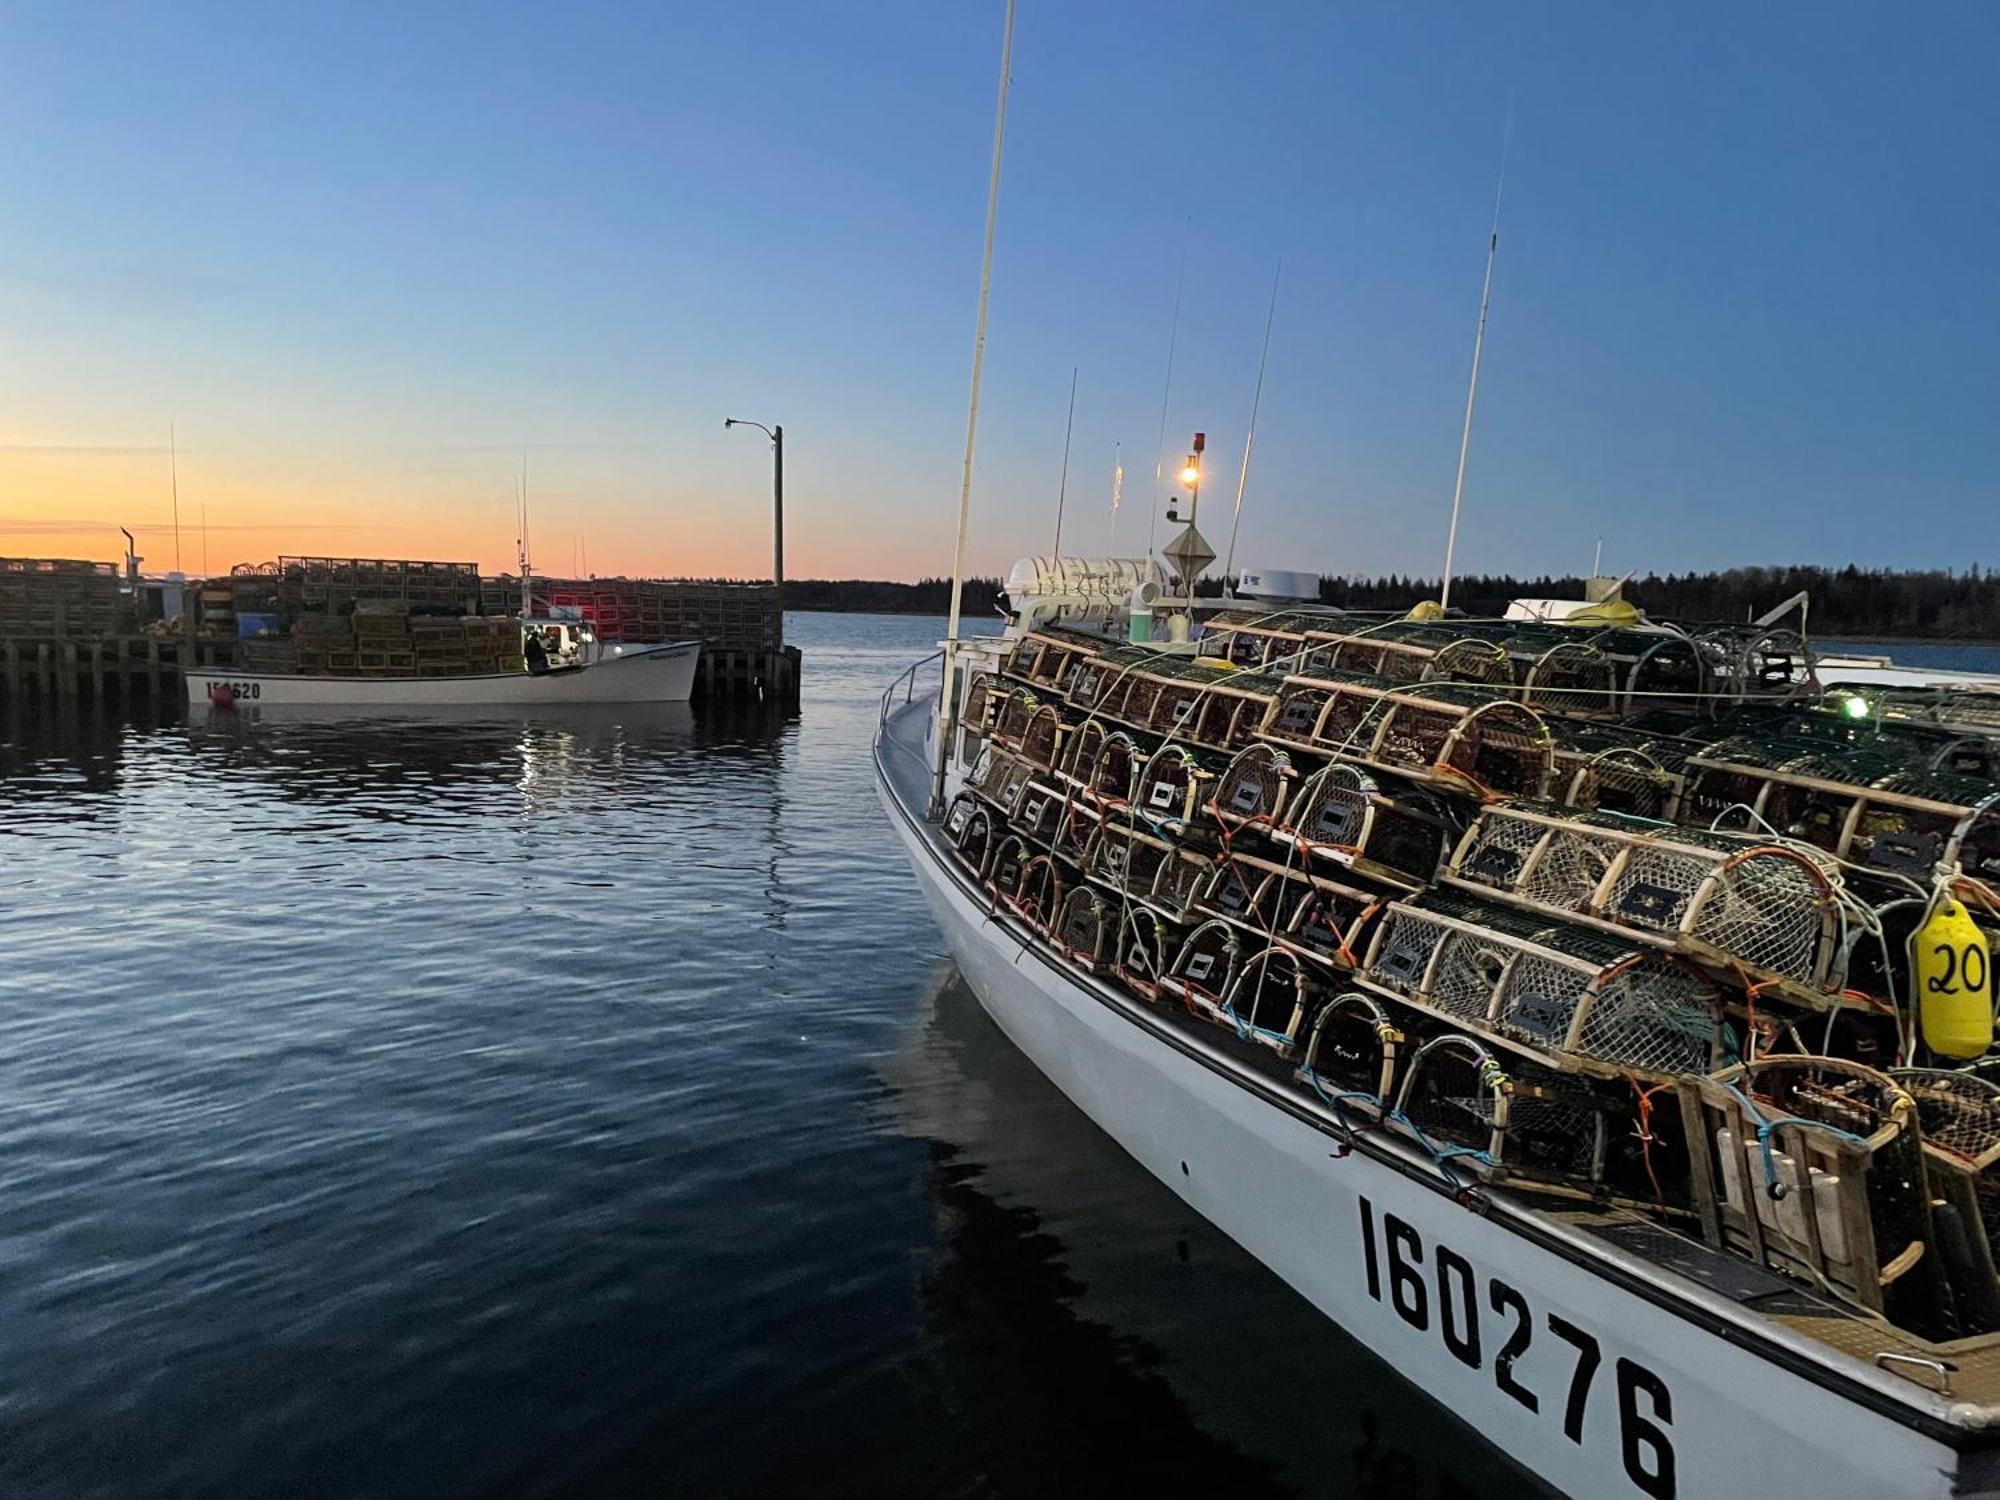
{"x":57,"y":502}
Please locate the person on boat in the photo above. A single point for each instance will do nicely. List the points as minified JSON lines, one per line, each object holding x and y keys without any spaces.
{"x":534,"y":652}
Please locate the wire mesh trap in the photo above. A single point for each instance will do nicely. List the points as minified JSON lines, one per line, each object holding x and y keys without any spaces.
{"x":1768,"y":908}
{"x":1369,"y":822}
{"x":1571,"y":996}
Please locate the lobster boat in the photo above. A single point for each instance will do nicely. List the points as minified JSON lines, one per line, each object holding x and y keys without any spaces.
{"x":571,"y":666}
{"x":1592,"y":1016}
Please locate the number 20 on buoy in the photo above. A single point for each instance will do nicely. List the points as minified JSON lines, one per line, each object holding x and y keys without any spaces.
{"x":1954,"y":983}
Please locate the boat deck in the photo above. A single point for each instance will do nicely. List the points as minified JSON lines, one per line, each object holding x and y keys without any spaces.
{"x":1955,"y":1384}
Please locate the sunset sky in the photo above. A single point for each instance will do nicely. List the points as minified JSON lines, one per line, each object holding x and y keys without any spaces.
{"x":362,"y":258}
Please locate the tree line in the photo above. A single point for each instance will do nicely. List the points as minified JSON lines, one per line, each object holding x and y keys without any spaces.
{"x":1851,"y":601}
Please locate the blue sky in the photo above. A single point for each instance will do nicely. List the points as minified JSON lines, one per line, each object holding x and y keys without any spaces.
{"x":1745,"y":311}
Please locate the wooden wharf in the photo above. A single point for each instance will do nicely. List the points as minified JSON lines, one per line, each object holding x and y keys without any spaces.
{"x":67,"y":631}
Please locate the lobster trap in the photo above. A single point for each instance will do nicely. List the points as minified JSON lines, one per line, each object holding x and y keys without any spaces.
{"x":1271,"y":999}
{"x":1561,"y":668}
{"x":1377,"y":826}
{"x":1173,"y":785}
{"x":1460,"y":736}
{"x":1145,"y":942}
{"x":1027,"y":882}
{"x":1047,"y":658}
{"x":1526,"y":1124}
{"x":1615,"y":768}
{"x":1255,"y":640}
{"x":1001,"y":778}
{"x":1105,"y":764}
{"x":1351,"y":1051}
{"x":978,"y":706}
{"x":1567,"y":995}
{"x":1205,"y":966}
{"x":1959,"y":1115}
{"x":1253,"y":788}
{"x":970,"y":827}
{"x":1764,"y":911}
{"x":1039,"y":810}
{"x":1813,"y":1167}
{"x":1142,"y":867}
{"x":1085,"y":928}
{"x":1243,"y":890}
{"x":1859,"y":806}
{"x":1011,"y":714}
{"x":1321,"y":918}
{"x":1769,"y":662}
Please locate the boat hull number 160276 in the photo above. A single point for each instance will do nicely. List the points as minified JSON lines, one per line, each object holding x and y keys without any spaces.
{"x":1485,"y":1323}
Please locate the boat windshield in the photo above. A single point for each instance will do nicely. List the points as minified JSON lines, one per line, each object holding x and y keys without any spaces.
{"x":551,"y":644}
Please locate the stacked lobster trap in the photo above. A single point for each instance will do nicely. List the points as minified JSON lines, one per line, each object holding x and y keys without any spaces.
{"x":1756,"y":908}
{"x":1508,"y":891}
{"x":1866,"y":807}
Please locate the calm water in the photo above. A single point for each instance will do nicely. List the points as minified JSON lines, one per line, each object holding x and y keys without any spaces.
{"x":582,"y":1105}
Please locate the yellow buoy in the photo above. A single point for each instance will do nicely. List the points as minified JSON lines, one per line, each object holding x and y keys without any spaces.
{"x":1954,"y":983}
{"x":1612,"y":614}
{"x":1425,"y":609}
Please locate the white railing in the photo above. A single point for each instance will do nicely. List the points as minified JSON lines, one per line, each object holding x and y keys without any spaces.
{"x":905,"y":684}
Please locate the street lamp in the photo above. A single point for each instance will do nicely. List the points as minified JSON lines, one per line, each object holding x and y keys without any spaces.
{"x":777,"y":437}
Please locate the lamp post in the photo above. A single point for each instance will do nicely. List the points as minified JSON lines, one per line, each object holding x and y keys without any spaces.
{"x":777,"y":437}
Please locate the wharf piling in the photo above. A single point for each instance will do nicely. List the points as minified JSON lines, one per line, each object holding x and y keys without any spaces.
{"x":130,"y":669}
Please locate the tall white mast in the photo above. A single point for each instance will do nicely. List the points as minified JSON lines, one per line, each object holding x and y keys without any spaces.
{"x":1117,"y":494}
{"x":1062,"y":485}
{"x":1250,"y":438}
{"x":1166,"y":395}
{"x":1478,"y":351}
{"x":948,"y":707}
{"x":527,"y":596}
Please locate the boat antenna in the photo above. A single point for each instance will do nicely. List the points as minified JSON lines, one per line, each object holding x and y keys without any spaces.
{"x":1250,"y":438}
{"x":1062,"y":485}
{"x":1166,"y":394}
{"x":949,"y":699}
{"x":1597,"y":561}
{"x":1117,"y":491}
{"x":1478,"y":351}
{"x":527,"y":597}
{"x":174,"y":478}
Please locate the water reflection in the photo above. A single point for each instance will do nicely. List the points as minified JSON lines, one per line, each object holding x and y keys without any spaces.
{"x":67,"y":762}
{"x":570,"y":1105}
{"x":1107,"y":1332}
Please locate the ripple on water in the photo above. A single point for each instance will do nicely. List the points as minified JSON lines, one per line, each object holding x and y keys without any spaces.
{"x":555,"y":1105}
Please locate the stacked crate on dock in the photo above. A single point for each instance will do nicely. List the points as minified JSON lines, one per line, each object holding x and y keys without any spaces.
{"x":267,"y":656}
{"x":215,"y":606}
{"x":437,"y":643}
{"x":382,"y":639}
{"x":325,"y":643}
{"x":726,"y":616}
{"x":335,"y":583}
{"x":58,"y":596}
{"x":613,"y":612}
{"x":250,"y":589}
{"x":492,"y":643}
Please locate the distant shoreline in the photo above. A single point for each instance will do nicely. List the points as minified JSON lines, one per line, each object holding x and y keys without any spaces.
{"x":1896,"y":608}
{"x":1982,"y":641}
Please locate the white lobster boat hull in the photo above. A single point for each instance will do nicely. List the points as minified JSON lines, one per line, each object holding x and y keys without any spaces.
{"x":639,"y":674}
{"x":1603,"y":1373}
